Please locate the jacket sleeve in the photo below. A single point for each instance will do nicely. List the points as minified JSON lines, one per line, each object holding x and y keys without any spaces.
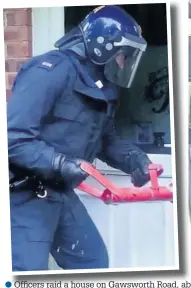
{"x":34,"y":93}
{"x":116,"y":152}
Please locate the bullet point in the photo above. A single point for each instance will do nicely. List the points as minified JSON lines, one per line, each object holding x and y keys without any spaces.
{"x":8,"y":284}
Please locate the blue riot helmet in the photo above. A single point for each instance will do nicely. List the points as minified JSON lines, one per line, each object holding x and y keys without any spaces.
{"x":113,"y":38}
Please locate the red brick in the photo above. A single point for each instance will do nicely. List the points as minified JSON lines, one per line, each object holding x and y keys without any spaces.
{"x":5,"y":49}
{"x":16,"y":33}
{"x":4,"y":20}
{"x":13,"y":9}
{"x":18,"y":42}
{"x":18,"y":17}
{"x":9,"y":79}
{"x":18,"y":49}
{"x":13,"y":65}
{"x":8,"y":94}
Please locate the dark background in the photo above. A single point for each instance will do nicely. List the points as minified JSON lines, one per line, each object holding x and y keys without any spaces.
{"x":148,"y":17}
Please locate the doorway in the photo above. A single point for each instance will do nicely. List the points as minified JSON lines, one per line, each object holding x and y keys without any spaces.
{"x":136,"y":119}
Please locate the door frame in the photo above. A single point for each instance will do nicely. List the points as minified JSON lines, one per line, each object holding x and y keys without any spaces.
{"x":47,"y":27}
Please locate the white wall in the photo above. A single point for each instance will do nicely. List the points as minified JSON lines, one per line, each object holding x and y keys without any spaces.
{"x":189,"y":27}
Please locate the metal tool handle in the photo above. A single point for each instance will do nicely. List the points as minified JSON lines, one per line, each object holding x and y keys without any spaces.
{"x":155,"y":170}
{"x":92,"y":171}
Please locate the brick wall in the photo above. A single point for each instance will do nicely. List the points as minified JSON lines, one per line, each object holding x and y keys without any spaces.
{"x":18,"y":41}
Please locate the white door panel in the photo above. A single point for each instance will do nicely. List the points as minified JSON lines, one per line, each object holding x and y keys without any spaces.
{"x":47,"y":28}
{"x":136,"y":234}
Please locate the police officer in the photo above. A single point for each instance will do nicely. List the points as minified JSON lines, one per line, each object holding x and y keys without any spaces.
{"x":62,"y":113}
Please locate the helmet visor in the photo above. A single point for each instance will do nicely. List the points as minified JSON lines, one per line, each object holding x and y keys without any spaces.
{"x":121,"y":69}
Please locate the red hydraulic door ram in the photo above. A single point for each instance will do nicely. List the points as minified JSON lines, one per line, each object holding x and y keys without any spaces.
{"x":113,"y":194}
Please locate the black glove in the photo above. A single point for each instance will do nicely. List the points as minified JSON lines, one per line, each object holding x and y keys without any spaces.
{"x":68,"y":170}
{"x":139,"y":164}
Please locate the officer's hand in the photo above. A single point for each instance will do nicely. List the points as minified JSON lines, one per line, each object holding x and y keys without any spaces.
{"x":139,"y":165}
{"x":69,"y":170}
